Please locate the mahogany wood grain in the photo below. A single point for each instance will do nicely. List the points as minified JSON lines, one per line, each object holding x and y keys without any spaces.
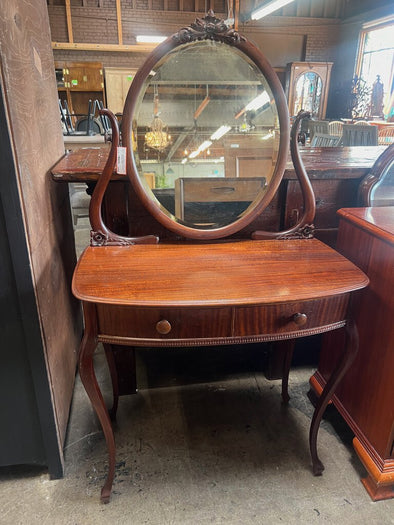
{"x":365,"y":396}
{"x":233,"y":273}
{"x":335,"y":175}
{"x":339,"y":162}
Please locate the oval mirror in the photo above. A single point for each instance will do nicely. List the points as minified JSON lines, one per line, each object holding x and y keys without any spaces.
{"x":207,"y":132}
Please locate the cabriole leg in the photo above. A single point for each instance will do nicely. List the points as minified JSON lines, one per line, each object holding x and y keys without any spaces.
{"x":89,"y":380}
{"x":350,"y":351}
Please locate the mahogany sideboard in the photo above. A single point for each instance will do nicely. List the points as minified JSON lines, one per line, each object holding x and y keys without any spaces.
{"x":365,"y":397}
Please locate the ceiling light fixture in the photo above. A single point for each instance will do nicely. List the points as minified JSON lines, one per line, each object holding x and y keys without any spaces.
{"x":254,"y":104}
{"x":150,"y":39}
{"x":258,"y":102}
{"x":205,"y":145}
{"x":220,"y":132}
{"x":269,"y":7}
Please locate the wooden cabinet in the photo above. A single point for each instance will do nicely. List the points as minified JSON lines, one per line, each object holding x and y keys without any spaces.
{"x":330,"y":196}
{"x":365,"y":397}
{"x":117,"y":84}
{"x":307,"y":85}
{"x":79,"y":82}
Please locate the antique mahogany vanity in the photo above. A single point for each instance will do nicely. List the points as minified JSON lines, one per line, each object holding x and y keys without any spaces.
{"x":208,"y":287}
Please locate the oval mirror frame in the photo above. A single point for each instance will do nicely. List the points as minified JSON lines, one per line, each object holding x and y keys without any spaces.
{"x":207,"y":28}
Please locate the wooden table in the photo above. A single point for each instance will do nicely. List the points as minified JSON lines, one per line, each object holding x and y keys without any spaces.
{"x":192,"y":294}
{"x":335,"y":174}
{"x":365,"y":397}
{"x":341,"y":162}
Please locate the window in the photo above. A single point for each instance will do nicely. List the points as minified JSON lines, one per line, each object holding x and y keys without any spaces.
{"x":376,"y":58}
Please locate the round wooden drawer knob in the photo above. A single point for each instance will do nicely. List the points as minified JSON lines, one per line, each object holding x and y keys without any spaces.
{"x":300,"y":319}
{"x":163,"y":327}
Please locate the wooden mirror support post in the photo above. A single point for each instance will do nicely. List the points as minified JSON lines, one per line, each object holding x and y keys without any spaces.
{"x":278,"y":286}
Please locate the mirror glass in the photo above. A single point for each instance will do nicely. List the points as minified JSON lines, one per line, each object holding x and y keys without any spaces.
{"x":382,"y":193}
{"x":206,"y":134}
{"x":308,"y":92}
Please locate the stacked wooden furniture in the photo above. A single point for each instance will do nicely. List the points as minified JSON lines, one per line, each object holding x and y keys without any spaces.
{"x":203,"y":288}
{"x":79,"y":82}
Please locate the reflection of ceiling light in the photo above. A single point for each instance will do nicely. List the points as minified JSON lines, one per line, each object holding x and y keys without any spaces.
{"x":205,"y":145}
{"x":150,"y":39}
{"x":257,"y":102}
{"x":183,"y":161}
{"x":268,"y":7}
{"x":220,"y":132}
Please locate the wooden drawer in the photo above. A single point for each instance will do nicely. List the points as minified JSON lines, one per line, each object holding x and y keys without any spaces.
{"x":277,"y":319}
{"x":127,"y":321}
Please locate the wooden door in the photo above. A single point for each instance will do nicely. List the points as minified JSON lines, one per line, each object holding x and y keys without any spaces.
{"x":117,"y":84}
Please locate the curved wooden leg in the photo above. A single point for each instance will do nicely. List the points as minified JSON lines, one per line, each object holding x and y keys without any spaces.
{"x":350,"y":351}
{"x":289,"y":349}
{"x":114,"y":379}
{"x":88,"y":377}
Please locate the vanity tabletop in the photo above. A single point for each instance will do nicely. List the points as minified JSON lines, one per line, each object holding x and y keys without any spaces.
{"x":214,"y":274}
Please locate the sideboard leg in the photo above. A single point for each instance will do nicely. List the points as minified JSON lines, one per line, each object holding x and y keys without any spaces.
{"x":89,"y":380}
{"x":350,"y":351}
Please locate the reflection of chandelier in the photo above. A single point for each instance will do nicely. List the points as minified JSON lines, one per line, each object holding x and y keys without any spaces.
{"x":158,"y":137}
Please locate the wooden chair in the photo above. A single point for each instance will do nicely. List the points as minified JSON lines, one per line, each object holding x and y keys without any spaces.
{"x":386,"y":136}
{"x":317,"y":126}
{"x":359,"y":135}
{"x":362,"y":123}
{"x":325,"y":141}
{"x":335,"y":127}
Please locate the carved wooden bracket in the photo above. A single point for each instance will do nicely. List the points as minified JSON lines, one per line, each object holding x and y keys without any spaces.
{"x":101,"y":235}
{"x":304,"y":228}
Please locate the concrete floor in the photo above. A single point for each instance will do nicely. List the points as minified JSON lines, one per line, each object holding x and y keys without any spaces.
{"x":205,"y":440}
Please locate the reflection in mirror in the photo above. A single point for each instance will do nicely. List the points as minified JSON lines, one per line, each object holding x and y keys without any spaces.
{"x":206,"y":134}
{"x":382,"y":193}
{"x":308,"y":92}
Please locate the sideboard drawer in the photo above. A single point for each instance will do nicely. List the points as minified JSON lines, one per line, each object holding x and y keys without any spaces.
{"x":289,"y":317}
{"x":163,"y":323}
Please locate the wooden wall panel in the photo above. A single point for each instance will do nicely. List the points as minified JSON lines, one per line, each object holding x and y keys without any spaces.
{"x":29,"y":86}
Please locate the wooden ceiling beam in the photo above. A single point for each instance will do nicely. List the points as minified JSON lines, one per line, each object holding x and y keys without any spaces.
{"x":129,"y":48}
